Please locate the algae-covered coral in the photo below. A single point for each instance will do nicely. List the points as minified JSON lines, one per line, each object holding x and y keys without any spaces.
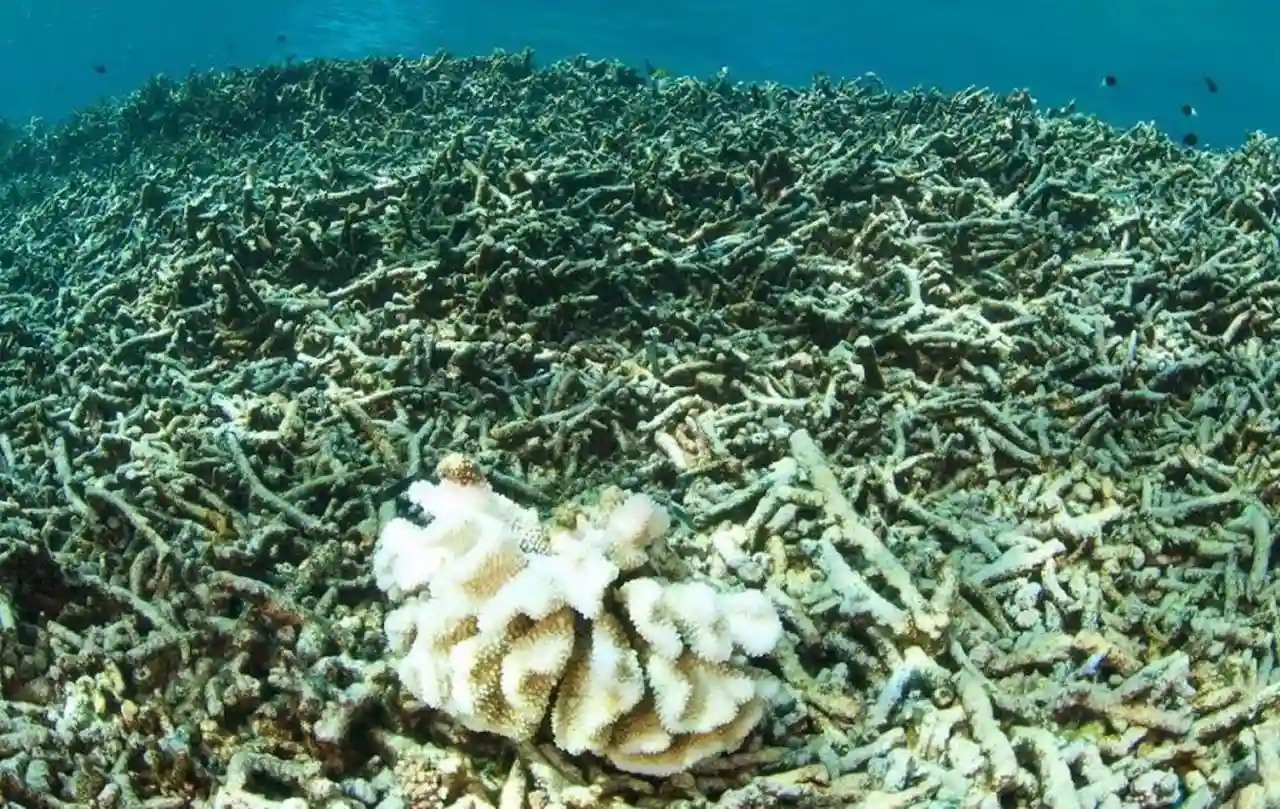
{"x":978,"y":397}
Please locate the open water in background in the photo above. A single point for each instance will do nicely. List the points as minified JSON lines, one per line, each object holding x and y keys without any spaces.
{"x":1160,"y":52}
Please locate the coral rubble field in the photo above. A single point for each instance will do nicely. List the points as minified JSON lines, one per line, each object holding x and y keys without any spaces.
{"x":469,"y":433}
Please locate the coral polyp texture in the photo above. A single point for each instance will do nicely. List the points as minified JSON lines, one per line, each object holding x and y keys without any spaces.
{"x":509,"y":625}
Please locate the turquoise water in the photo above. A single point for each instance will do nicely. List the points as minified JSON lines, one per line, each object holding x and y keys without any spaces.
{"x":1159,"y":52}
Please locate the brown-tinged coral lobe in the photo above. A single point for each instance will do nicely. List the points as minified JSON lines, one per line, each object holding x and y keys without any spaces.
{"x":982,"y":399}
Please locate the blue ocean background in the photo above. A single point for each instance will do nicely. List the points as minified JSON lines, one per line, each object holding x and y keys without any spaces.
{"x":1160,"y":52}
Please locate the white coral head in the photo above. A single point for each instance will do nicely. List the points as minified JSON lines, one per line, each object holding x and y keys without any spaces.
{"x":632,"y":526}
{"x":498,"y":613}
{"x":753,"y":622}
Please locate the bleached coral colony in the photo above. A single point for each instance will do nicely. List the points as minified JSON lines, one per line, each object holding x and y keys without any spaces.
{"x":503,"y":621}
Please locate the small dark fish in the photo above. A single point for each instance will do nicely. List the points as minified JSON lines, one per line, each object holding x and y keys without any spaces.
{"x":1190,"y":139}
{"x":281,"y":38}
{"x":1188,"y":110}
{"x":100,"y":68}
{"x":655,"y":73}
{"x":1211,"y":84}
{"x":1109,"y":80}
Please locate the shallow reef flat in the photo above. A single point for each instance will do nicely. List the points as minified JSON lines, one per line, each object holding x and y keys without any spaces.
{"x":979,"y":396}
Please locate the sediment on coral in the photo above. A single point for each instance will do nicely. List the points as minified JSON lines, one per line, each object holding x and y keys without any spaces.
{"x":979,"y":396}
